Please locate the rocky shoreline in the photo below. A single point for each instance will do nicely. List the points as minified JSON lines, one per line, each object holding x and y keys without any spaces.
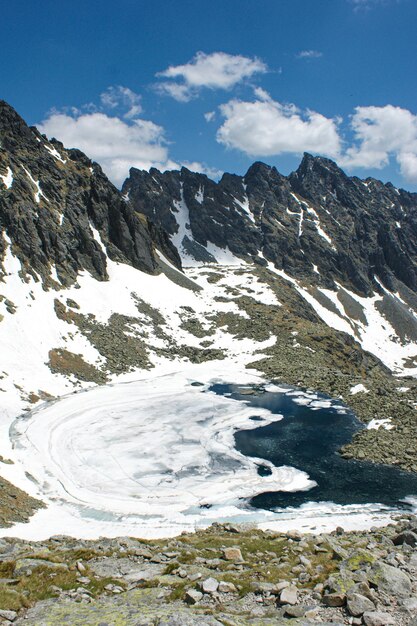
{"x":226,"y":574}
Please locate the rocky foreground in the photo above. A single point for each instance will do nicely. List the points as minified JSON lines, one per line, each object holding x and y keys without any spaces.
{"x":227,"y":574}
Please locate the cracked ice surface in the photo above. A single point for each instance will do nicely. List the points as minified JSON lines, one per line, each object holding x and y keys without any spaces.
{"x":151,"y":458}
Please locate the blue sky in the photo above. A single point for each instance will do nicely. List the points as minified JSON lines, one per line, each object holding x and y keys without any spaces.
{"x":216,"y":85}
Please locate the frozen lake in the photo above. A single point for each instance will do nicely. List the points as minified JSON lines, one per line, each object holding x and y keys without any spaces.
{"x":164,"y":454}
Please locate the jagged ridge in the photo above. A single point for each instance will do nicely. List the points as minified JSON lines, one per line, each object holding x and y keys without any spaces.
{"x":51,"y":199}
{"x":317,"y":224}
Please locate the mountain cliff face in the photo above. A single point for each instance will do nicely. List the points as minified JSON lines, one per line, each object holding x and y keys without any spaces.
{"x":51,"y":202}
{"x":316,"y":224}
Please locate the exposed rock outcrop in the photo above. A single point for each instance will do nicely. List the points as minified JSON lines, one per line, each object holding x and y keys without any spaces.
{"x":55,"y":202}
{"x":317,"y":224}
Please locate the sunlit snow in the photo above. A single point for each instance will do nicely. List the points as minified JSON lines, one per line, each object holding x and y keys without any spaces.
{"x":7,"y":178}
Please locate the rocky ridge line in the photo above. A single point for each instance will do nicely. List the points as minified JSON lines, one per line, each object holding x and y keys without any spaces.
{"x":317,"y":224}
{"x":52,"y":199}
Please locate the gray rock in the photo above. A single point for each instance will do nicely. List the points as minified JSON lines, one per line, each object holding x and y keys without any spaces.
{"x":144,"y":552}
{"x":289,"y":595}
{"x":210,"y":585}
{"x":363,"y":589}
{"x":225,"y":587}
{"x":312,"y":613}
{"x":281,"y":585}
{"x":357,"y":604}
{"x":130,"y":571}
{"x":297,"y":610}
{"x":5,"y":547}
{"x":334,"y":599}
{"x":262,"y":587}
{"x":10,"y":616}
{"x":339,"y":553}
{"x":233,"y":554}
{"x":410,"y":604}
{"x":25,"y":566}
{"x":390,"y":580}
{"x":193,"y":596}
{"x":378,"y":618}
{"x":407,"y":537}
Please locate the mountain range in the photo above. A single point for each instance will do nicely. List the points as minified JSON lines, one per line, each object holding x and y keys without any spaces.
{"x":309,"y":279}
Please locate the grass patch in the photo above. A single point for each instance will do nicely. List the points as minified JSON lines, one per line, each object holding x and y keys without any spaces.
{"x":171,"y":567}
{"x":64,"y":362}
{"x":177,"y":591}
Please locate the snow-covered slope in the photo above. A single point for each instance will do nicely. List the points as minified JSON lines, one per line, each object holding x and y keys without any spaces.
{"x":349,"y":247}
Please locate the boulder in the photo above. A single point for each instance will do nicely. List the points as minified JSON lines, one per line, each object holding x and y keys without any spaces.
{"x":233,"y":554}
{"x":378,"y":618}
{"x":334,"y":599}
{"x":297,"y":610}
{"x":295,"y":535}
{"x":410,"y":604}
{"x":9,"y":616}
{"x":390,"y":580}
{"x":24,"y":567}
{"x":357,"y":604}
{"x":265,"y":588}
{"x":289,"y":595}
{"x":407,"y":536}
{"x":225,"y":587}
{"x":281,"y":585}
{"x":210,"y":585}
{"x":193,"y":596}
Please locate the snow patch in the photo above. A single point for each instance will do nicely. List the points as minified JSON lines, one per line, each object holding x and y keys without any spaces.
{"x":55,"y":154}
{"x":360,"y":388}
{"x":375,"y":424}
{"x":38,"y":193}
{"x":7,"y":178}
{"x":245,"y":207}
{"x":199,"y":196}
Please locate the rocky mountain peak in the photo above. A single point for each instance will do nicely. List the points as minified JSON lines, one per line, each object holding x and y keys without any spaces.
{"x":14,"y":130}
{"x":318,"y":224}
{"x":59,"y":214}
{"x":310,"y":163}
{"x":320,"y":177}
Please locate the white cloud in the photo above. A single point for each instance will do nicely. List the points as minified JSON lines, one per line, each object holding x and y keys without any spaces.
{"x":408,"y":165}
{"x":178,"y":91}
{"x":215,"y":71}
{"x":119,"y":96}
{"x":309,"y":54}
{"x":114,"y":143}
{"x":366,"y":5}
{"x":210,"y":116}
{"x":261,"y":94}
{"x":381,"y":133}
{"x":265,"y":128}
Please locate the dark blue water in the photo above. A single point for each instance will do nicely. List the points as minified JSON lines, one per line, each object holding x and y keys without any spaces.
{"x":308,"y":440}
